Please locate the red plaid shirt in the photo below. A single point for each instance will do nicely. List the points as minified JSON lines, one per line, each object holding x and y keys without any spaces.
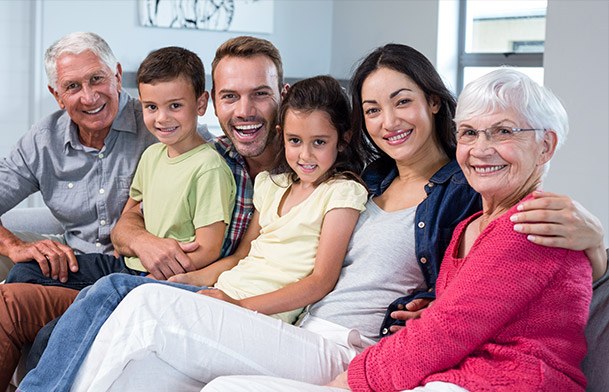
{"x":244,"y":205}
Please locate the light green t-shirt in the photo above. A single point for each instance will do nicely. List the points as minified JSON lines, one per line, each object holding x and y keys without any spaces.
{"x":183,"y":193}
{"x":285,"y":250}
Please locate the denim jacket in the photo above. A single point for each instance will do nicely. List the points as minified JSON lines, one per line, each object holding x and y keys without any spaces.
{"x":449,"y":200}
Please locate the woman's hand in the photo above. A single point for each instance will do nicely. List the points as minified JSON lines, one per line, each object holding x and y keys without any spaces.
{"x":340,"y":382}
{"x":413,"y":310}
{"x":558,"y":221}
{"x":219,"y":294}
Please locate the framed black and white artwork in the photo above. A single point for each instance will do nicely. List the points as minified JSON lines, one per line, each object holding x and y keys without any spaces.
{"x":248,"y":16}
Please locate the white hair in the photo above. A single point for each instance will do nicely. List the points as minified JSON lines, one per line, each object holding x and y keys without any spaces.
{"x":508,"y":89}
{"x":76,"y":43}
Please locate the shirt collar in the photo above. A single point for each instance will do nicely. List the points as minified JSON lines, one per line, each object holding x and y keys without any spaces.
{"x":445,"y":173}
{"x":226,"y":149}
{"x":379,"y":175}
{"x":125,"y":121}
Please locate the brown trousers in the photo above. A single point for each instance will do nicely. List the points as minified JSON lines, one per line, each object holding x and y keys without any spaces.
{"x":24,"y":309}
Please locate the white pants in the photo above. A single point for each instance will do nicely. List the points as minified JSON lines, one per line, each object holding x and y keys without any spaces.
{"x":171,"y":339}
{"x":6,"y":264}
{"x":269,"y":384}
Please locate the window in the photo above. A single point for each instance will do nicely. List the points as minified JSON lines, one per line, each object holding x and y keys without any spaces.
{"x":501,"y":32}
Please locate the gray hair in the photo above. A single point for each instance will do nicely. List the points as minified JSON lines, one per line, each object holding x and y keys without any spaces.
{"x":76,"y":43}
{"x":508,"y":89}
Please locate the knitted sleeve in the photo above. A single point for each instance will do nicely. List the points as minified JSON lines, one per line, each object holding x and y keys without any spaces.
{"x":477,"y":297}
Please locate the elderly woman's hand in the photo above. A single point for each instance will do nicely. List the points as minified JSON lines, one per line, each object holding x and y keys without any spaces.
{"x":558,"y":221}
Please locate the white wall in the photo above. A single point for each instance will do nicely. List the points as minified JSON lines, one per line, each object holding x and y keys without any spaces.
{"x":362,"y":25}
{"x":576,"y":63}
{"x":15,"y":71}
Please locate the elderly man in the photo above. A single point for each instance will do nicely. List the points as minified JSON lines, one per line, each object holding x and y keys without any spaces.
{"x":81,"y":158}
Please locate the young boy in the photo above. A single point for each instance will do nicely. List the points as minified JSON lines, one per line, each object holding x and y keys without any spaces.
{"x":185,"y":187}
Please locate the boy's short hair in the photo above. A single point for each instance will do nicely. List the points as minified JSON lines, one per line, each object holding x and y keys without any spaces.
{"x":170,"y":63}
{"x":245,"y":47}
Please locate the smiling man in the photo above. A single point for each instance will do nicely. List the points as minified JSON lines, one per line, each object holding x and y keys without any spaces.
{"x":81,"y":158}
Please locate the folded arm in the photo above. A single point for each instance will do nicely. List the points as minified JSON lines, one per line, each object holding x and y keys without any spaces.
{"x":162,"y":257}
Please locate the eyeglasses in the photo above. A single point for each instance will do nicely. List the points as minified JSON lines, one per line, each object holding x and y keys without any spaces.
{"x":497,"y":134}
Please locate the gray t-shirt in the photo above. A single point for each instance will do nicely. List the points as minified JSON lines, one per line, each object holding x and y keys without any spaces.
{"x":379,"y":267}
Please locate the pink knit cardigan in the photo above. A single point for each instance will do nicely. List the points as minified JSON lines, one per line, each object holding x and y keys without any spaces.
{"x":510,"y":316}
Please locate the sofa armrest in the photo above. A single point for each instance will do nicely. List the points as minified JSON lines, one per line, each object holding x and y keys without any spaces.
{"x":33,"y":220}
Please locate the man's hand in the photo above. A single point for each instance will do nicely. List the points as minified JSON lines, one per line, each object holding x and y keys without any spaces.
{"x":341,"y":381}
{"x":164,"y":257}
{"x":413,"y":310}
{"x":557,"y":221}
{"x":560,"y":222}
{"x":54,"y":258}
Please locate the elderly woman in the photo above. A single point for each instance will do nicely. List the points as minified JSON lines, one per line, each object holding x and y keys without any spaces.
{"x":501,"y":320}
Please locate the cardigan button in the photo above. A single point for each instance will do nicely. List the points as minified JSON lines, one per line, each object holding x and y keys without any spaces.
{"x":423,"y":260}
{"x":385,"y":331}
{"x":421,"y":225}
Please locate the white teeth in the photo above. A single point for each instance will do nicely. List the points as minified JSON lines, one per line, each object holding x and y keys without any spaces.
{"x":247,"y":127}
{"x":308,"y":167}
{"x":488,"y":169}
{"x":399,"y":136}
{"x":168,"y":129}
{"x":95,"y":111}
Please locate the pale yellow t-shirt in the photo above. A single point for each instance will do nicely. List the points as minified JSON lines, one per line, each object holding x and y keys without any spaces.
{"x":285,"y":250}
{"x":183,"y":193}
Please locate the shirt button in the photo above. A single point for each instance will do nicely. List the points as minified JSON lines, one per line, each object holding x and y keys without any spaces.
{"x":100,"y":155}
{"x":101,"y":191}
{"x":98,"y":245}
{"x":430,"y":185}
{"x":423,"y":260}
{"x":421,"y":225}
{"x":70,"y":185}
{"x":102,"y":222}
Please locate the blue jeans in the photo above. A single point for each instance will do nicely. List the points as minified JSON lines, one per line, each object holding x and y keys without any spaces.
{"x":91,"y":267}
{"x":77,"y":329}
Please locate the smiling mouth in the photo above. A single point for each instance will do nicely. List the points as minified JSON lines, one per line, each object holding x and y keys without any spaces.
{"x":488,"y":169}
{"x":167,"y":130}
{"x":399,"y":136}
{"x":247,"y":130}
{"x":307,"y":167}
{"x":95,"y":111}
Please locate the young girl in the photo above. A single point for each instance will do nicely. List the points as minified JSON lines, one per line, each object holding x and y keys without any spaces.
{"x":305,"y":210}
{"x":291,"y":254}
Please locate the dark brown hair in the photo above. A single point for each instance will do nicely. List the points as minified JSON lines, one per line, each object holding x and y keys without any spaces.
{"x":325,"y":94}
{"x":246,"y":46}
{"x":416,"y":66}
{"x":169,"y":63}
